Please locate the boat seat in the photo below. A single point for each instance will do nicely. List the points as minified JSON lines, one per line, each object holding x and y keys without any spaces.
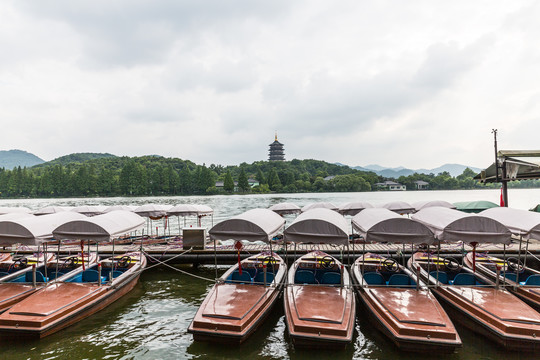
{"x":399,"y":280}
{"x":443,"y":276}
{"x":331,"y":278}
{"x":464,"y":279}
{"x":244,"y":278}
{"x":374,"y":278}
{"x":116,"y":273}
{"x":512,"y":276}
{"x":28,"y":277}
{"x":57,"y":274}
{"x":304,"y":277}
{"x":2,"y":274}
{"x":92,"y":275}
{"x":259,"y":278}
{"x":533,"y":280}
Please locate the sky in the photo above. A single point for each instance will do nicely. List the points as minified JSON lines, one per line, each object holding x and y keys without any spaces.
{"x":417,"y":83}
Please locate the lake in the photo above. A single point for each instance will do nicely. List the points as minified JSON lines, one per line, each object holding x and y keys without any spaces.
{"x":151,"y":321}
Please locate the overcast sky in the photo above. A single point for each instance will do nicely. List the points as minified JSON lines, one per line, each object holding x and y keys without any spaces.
{"x":396,"y":83}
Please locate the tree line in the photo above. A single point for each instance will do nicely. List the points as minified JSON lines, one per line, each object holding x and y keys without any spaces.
{"x":73,"y":176}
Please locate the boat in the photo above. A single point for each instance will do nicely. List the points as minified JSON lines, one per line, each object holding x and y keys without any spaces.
{"x":82,"y":292}
{"x":472,"y":301}
{"x":245,"y":294}
{"x":400,"y":305}
{"x":320,"y":306}
{"x":513,"y":272}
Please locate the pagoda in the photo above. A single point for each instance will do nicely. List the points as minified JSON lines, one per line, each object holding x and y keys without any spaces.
{"x":276,"y":152}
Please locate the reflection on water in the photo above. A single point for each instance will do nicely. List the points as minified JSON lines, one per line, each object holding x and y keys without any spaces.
{"x":151,"y":321}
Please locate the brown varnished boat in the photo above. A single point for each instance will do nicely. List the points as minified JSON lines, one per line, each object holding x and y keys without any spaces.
{"x":479,"y":305}
{"x":72,"y":297}
{"x":409,"y":315}
{"x":522,"y":281}
{"x":238,"y":303}
{"x":319,"y":302}
{"x":19,"y":284}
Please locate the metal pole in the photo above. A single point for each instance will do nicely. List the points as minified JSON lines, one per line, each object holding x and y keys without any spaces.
{"x":494,"y":132}
{"x":504,"y":184}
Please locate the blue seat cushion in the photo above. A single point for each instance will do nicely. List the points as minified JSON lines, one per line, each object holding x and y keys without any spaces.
{"x":304,"y":277}
{"x":374,"y":278}
{"x":2,"y":274}
{"x":399,"y":280}
{"x":29,"y":277}
{"x":331,"y":278}
{"x":92,"y":275}
{"x":443,"y":277}
{"x":464,"y":279}
{"x":259,"y":278}
{"x":533,"y":280}
{"x":511,"y":276}
{"x":244,"y":277}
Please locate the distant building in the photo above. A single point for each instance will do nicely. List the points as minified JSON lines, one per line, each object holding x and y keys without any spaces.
{"x":421,"y":185}
{"x":328,"y":178}
{"x":391,"y":185}
{"x":276,"y":152}
{"x":253,"y":182}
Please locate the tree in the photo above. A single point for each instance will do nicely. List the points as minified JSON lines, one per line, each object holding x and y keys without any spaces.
{"x":243,"y":181}
{"x":228,"y":183}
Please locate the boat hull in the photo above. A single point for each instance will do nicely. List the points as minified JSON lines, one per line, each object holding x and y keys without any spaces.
{"x":310,"y":319}
{"x":232,"y":311}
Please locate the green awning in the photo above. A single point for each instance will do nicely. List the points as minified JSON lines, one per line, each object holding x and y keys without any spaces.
{"x":474,"y":206}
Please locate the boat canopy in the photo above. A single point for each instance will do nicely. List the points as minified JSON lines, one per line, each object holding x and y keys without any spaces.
{"x":89,"y":210}
{"x":103,"y":227}
{"x":383,"y":225}
{"x":317,"y":205}
{"x":33,"y":230}
{"x":474,"y":206}
{"x":520,"y":222}
{"x":425,"y":204}
{"x":49,"y":210}
{"x":318,"y":226}
{"x":8,"y":210}
{"x":16,"y":215}
{"x":252,"y":225}
{"x":285,"y":208}
{"x":190,"y":210}
{"x":400,"y":207}
{"x":153,"y":211}
{"x":453,"y":225}
{"x":120,"y":207}
{"x":353,"y":208}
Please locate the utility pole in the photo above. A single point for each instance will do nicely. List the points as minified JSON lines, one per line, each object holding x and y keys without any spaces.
{"x":503,"y":179}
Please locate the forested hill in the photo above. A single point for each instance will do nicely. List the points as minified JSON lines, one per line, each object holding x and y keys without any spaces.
{"x":108,"y":175}
{"x":13,"y":158}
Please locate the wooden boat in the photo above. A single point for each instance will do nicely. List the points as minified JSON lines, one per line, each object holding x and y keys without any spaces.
{"x":398,"y":302}
{"x":243,"y":297}
{"x":240,"y":301}
{"x":479,"y":305}
{"x":72,"y":297}
{"x":319,"y":302}
{"x":320,"y":306}
{"x":522,"y":281}
{"x":82,"y":292}
{"x":20,"y":284}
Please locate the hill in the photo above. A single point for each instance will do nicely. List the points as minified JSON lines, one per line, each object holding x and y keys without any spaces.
{"x":453,"y":169}
{"x":10,"y":159}
{"x":76,"y":158}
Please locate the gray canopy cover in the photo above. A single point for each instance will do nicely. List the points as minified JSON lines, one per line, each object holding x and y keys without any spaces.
{"x":318,"y":226}
{"x":252,"y":225}
{"x":33,"y":230}
{"x":400,"y":207}
{"x":453,"y":225}
{"x":430,"y":203}
{"x":319,"y":205}
{"x":520,"y":222}
{"x":285,"y":208}
{"x":101,"y":227}
{"x":383,"y":225}
{"x":353,"y":208}
{"x":190,"y":210}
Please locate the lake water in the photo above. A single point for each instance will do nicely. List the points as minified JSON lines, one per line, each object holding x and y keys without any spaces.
{"x":151,"y":321}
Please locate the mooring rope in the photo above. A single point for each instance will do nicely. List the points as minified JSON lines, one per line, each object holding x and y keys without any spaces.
{"x":159,"y":262}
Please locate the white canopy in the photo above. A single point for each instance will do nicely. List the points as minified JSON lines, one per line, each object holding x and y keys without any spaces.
{"x":285,"y":208}
{"x":154,"y":211}
{"x":15,"y":215}
{"x":321,"y":205}
{"x":49,"y":210}
{"x":190,"y":210}
{"x":454,"y":225}
{"x":383,"y":225}
{"x":101,"y":227}
{"x":252,"y":225}
{"x":520,"y":222}
{"x":8,"y":210}
{"x":353,"y":208}
{"x":120,"y":207}
{"x":89,"y":210}
{"x":400,"y":207}
{"x":425,"y":204}
{"x":318,"y":226}
{"x":33,"y":230}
